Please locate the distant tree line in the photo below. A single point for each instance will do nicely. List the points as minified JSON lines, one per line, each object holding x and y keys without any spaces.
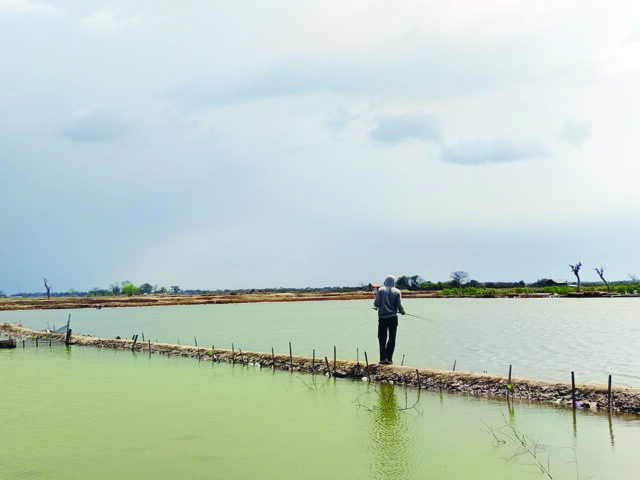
{"x":457,"y":285}
{"x":458,"y":281}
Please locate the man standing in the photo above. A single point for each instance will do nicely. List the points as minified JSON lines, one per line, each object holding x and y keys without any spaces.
{"x":389,"y":303}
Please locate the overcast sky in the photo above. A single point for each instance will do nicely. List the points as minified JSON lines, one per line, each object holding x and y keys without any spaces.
{"x":230,"y":144}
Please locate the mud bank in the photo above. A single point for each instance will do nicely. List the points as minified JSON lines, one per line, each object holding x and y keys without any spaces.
{"x":55,"y":303}
{"x":588,"y":396}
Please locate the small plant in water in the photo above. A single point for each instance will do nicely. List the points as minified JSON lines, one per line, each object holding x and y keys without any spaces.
{"x":213,"y":352}
{"x":510,"y":386}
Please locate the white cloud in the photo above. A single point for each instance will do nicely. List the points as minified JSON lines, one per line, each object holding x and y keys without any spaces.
{"x":407,"y":126}
{"x":576,"y":133}
{"x":97,"y":126}
{"x":491,"y":151}
{"x":339,"y":119}
{"x":108,"y":21}
{"x":23,"y":7}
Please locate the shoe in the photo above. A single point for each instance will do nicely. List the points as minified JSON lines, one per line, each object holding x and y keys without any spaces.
{"x":386,"y":362}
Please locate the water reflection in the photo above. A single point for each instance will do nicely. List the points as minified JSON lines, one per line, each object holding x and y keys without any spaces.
{"x":390,"y":438}
{"x":512,"y":411}
{"x":613,"y":443}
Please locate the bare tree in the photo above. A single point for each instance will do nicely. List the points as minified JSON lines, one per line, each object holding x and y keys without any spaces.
{"x":576,"y":269}
{"x":48,"y":287}
{"x":175,"y":289}
{"x":601,"y":275}
{"x":458,"y":277}
{"x":633,"y":277}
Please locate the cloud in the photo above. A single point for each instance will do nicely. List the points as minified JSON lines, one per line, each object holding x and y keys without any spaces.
{"x":576,"y":133}
{"x":94,"y":127}
{"x":415,"y":66}
{"x":23,"y":7}
{"x":339,"y":119}
{"x":491,"y":151}
{"x":107,"y":21}
{"x":408,"y":126}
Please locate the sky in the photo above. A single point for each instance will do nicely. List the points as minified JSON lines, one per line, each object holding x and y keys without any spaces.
{"x":293,"y":143}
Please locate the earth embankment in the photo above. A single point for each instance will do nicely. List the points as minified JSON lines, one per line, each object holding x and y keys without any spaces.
{"x":587,"y":395}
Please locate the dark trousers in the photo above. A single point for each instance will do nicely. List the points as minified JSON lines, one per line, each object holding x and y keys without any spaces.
{"x":387,"y":348}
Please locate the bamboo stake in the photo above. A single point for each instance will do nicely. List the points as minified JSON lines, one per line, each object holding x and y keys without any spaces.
{"x":366,"y":360}
{"x":326,"y":361}
{"x":334,"y":360}
{"x":609,"y":393}
{"x":290,"y":358}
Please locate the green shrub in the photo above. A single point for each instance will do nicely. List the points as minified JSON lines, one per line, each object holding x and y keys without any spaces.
{"x":130,"y":289}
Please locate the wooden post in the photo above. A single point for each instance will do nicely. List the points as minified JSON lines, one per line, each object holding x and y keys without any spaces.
{"x":67,"y":339}
{"x":358,"y":356}
{"x":418,"y":379}
{"x":273,"y":360}
{"x":366,"y":361}
{"x":454,"y":365}
{"x":573,"y":390}
{"x":135,"y":340}
{"x":402,"y":364}
{"x":22,"y":343}
{"x":334,"y":360}
{"x":149,"y":347}
{"x":290,"y":358}
{"x":197,"y":349}
{"x":313,"y":362}
{"x":326,"y":361}
{"x":36,"y":342}
{"x":233,"y":355}
{"x":609,"y":393}
{"x":509,"y":390}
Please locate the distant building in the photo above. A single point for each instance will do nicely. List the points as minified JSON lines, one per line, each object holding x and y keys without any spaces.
{"x":557,"y":282}
{"x":373,"y":287}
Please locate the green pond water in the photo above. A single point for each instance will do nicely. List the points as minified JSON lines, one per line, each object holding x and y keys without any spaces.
{"x":82,"y":412}
{"x":543,"y":338}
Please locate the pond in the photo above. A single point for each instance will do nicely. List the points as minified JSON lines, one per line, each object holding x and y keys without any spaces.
{"x":83,"y":412}
{"x":543,"y":338}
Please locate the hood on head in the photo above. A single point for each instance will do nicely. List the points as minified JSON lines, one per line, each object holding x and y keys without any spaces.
{"x":390,"y":281}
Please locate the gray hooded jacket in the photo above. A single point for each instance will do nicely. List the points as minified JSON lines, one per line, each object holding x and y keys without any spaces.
{"x":389,"y":299}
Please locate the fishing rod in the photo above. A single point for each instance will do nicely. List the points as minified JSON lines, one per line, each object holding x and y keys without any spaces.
{"x":410,"y":315}
{"x":416,"y":316}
